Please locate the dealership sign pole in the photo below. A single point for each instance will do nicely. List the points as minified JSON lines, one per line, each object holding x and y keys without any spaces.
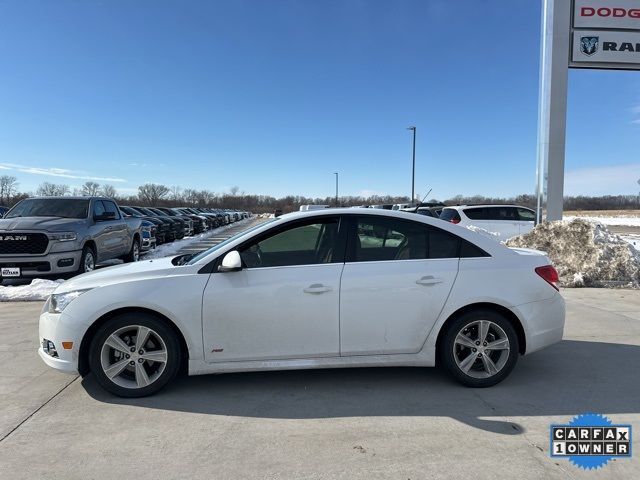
{"x":603,"y":34}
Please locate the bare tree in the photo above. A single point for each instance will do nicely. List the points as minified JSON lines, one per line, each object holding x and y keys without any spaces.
{"x":90,"y":189}
{"x":150,"y":193}
{"x":8,"y":188}
{"x":47,"y":189}
{"x":176,"y":193}
{"x":234,"y":190}
{"x":108,"y":191}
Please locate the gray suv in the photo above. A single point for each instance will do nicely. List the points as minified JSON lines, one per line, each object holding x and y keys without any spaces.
{"x":46,"y":236}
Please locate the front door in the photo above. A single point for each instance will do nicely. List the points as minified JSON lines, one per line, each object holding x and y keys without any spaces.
{"x":284,"y":303}
{"x":396,"y":280}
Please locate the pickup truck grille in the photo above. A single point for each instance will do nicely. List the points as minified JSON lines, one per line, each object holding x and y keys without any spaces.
{"x":16,"y":243}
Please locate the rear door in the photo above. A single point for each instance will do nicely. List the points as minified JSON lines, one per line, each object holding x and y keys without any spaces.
{"x":395,"y":282}
{"x":119,"y":240}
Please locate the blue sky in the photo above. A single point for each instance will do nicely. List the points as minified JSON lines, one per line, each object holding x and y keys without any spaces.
{"x":274,"y":96}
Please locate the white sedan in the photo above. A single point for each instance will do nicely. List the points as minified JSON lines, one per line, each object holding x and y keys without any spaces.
{"x":319,"y":289}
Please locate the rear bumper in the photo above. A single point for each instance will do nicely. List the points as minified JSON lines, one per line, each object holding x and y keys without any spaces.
{"x":40,"y":265}
{"x":543,"y":322}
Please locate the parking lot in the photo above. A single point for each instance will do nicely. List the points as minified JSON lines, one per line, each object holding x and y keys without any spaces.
{"x":359,"y":423}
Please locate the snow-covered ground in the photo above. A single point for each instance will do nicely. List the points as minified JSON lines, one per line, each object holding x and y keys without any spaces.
{"x":623,"y":221}
{"x":40,"y":289}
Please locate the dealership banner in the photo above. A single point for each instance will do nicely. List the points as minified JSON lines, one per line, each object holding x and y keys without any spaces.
{"x":618,"y":14}
{"x":606,"y":46}
{"x":605,"y":34}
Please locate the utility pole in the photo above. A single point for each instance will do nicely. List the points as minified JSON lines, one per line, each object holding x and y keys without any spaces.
{"x":413,"y":169}
{"x":336,"y":174}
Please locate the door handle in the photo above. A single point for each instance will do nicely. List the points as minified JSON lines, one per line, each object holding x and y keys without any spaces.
{"x":317,"y":288}
{"x":429,"y":280}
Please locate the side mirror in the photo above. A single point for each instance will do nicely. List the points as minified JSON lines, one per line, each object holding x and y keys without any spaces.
{"x":231,"y":262}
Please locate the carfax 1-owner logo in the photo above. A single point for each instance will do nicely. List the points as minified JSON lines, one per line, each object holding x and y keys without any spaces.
{"x":590,"y":440}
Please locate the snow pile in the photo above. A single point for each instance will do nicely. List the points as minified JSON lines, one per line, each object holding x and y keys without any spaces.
{"x":486,"y":233}
{"x":624,"y":221}
{"x":39,"y":289}
{"x":585,"y":253}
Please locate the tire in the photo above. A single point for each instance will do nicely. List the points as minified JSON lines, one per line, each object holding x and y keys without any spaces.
{"x":87,"y":260}
{"x":132,"y":374}
{"x":467,"y":361}
{"x":134,"y":253}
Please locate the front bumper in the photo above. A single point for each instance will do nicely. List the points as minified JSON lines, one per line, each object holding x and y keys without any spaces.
{"x":38,"y":265}
{"x":58,"y":328}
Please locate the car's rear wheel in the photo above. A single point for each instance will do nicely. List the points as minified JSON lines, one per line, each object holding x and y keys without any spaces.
{"x":134,"y":253}
{"x":134,"y":355}
{"x":479,"y":348}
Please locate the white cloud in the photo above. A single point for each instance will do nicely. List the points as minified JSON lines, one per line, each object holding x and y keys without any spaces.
{"x":57,"y":172}
{"x":606,"y":180}
{"x":370,"y":193}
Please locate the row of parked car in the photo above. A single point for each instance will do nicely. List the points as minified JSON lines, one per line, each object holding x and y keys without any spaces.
{"x":163,"y":225}
{"x":65,"y":236}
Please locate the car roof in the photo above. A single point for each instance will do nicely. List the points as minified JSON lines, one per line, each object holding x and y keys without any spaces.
{"x":492,"y":205}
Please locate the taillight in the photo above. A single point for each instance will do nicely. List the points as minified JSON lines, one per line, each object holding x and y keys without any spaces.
{"x":455,"y":220}
{"x":549,"y":275}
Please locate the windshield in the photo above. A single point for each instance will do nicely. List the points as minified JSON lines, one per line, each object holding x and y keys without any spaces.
{"x":201,"y":255}
{"x":50,"y":207}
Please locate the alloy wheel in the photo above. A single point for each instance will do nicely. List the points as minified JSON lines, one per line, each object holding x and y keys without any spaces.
{"x":133,"y":356}
{"x":89,"y":262}
{"x":481,"y":349}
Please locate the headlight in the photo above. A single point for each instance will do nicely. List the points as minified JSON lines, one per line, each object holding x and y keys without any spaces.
{"x":59,"y":301}
{"x":63,"y":236}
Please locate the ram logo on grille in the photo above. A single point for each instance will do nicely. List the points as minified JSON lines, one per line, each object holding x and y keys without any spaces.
{"x":13,"y":238}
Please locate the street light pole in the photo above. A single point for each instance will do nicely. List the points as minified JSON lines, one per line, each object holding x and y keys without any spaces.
{"x":336,"y":174}
{"x":413,"y":170}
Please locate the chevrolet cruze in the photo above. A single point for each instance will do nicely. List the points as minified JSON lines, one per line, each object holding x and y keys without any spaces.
{"x":318,"y":289}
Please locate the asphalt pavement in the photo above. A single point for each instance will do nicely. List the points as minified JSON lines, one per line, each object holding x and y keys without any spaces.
{"x":404,"y":423}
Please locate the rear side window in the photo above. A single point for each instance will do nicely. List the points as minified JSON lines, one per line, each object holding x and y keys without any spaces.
{"x":469,"y":250}
{"x":442,"y":244}
{"x":477,"y":213}
{"x":450,"y":214}
{"x":526,"y":215}
{"x":503,"y":213}
{"x":385,"y":239}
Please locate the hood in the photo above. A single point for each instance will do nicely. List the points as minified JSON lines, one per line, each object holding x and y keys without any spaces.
{"x":50,"y":224}
{"x":128,"y":272}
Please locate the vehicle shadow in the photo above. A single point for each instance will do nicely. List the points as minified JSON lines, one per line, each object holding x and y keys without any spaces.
{"x":566,"y":379}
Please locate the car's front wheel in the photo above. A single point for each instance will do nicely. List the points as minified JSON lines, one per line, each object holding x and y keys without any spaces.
{"x":480,"y":348}
{"x":134,"y":355}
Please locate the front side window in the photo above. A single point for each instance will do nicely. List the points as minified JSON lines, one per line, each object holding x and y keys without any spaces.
{"x":311,"y":243}
{"x":98,"y":209}
{"x":110,"y":207}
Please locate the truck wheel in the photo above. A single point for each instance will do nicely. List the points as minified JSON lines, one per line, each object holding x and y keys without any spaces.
{"x":87,"y":260}
{"x":134,"y":253}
